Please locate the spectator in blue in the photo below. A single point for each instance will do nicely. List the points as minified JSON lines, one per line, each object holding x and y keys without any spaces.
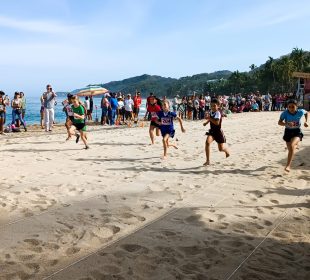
{"x":113,"y":108}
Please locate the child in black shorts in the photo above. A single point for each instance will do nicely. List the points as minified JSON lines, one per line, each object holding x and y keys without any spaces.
{"x":291,"y":119}
{"x":215,"y":132}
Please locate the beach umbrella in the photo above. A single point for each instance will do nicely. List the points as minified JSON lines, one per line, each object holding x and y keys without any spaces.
{"x":90,"y":91}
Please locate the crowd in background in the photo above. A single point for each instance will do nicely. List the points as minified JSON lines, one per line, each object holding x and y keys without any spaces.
{"x":194,"y":107}
{"x":119,"y":108}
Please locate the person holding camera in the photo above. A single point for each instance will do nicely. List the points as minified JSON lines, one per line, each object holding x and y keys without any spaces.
{"x":48,"y":104}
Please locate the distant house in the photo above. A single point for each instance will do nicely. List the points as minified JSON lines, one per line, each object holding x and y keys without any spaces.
{"x":303,"y":89}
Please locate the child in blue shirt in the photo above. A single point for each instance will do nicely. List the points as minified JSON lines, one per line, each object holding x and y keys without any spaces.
{"x":291,"y":119}
{"x":165,"y":120}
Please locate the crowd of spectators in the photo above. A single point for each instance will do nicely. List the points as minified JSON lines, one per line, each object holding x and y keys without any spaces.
{"x":193,"y":107}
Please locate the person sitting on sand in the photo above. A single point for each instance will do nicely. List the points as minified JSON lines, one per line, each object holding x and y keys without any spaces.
{"x":79,"y":115}
{"x":215,"y":133}
{"x":165,"y":121}
{"x":255,"y":106}
{"x":291,"y":119}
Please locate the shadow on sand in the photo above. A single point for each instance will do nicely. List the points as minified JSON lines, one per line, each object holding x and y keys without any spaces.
{"x":195,"y":243}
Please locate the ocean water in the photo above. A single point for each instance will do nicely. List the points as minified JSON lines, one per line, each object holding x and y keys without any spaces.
{"x":33,"y":106}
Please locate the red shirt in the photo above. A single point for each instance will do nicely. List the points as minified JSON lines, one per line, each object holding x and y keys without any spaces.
{"x":137,"y":101}
{"x":148,"y":100}
{"x":153,"y":109}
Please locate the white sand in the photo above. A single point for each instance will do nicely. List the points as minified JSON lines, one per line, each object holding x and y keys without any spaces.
{"x":117,"y":211}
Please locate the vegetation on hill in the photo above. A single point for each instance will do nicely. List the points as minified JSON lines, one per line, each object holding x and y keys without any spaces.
{"x":275,"y":75}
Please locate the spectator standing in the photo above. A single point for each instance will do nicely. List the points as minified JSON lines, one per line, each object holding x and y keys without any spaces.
{"x":175,"y":103}
{"x":195,"y":107}
{"x":113,"y":108}
{"x":23,"y":104}
{"x":87,"y":107}
{"x":16,"y":110}
{"x":49,"y":100}
{"x":202,"y":106}
{"x":128,"y":104}
{"x":208,"y":102}
{"x":2,"y":111}
{"x":120,"y":110}
{"x":91,"y":108}
{"x":137,"y":101}
{"x":42,"y":112}
{"x":105,"y":109}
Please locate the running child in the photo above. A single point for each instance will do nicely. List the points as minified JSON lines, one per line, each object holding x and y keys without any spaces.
{"x":78,"y":121}
{"x":291,"y":119}
{"x":153,"y":108}
{"x":165,"y":120}
{"x":215,"y":132}
{"x":69,"y":113}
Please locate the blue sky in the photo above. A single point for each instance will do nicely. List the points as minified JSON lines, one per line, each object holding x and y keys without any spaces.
{"x":72,"y":43}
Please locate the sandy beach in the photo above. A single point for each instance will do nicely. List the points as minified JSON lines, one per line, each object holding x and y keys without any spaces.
{"x":117,"y":211}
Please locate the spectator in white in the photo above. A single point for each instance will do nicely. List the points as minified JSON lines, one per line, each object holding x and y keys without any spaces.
{"x":23,"y":105}
{"x":49,"y":103}
{"x":120,"y":110}
{"x":208,"y":102}
{"x":175,"y":103}
{"x":87,"y":107}
{"x":267,"y":101}
{"x":128,"y":104}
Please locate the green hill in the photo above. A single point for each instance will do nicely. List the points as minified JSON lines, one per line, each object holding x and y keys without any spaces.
{"x":162,"y":86}
{"x":275,"y":75}
{"x":144,"y":83}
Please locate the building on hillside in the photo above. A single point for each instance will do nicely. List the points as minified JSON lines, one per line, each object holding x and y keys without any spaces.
{"x":303,"y":89}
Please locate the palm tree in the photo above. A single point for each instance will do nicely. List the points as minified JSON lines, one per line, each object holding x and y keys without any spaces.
{"x":300,"y":59}
{"x":286,"y":68}
{"x":237,"y":80}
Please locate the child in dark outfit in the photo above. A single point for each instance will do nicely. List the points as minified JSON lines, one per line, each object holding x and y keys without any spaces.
{"x":215,"y":133}
{"x":291,"y":119}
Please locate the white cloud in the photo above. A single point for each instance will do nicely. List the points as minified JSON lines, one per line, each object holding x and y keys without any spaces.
{"x":41,"y":26}
{"x":41,"y":54}
{"x":266,"y":15}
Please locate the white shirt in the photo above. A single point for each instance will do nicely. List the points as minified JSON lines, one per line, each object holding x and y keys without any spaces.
{"x":208,"y":99}
{"x":120,"y":104}
{"x":87,"y":104}
{"x":128,"y":104}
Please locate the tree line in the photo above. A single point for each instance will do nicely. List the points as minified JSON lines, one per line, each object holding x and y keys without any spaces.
{"x":274,"y":76}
